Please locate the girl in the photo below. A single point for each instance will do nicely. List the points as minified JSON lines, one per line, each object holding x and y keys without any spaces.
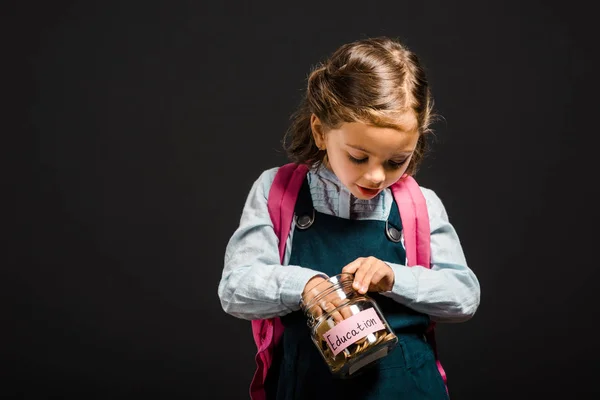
{"x":362,"y":126}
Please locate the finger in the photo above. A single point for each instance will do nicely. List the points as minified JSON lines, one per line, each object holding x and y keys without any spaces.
{"x":344,"y":310}
{"x":353,"y":266}
{"x":311,"y":286}
{"x":329,"y":307}
{"x":359,"y":273}
{"x":376,"y":278}
{"x":383,"y":278}
{"x":337,"y":317}
{"x":316,"y":311}
{"x":368,"y":270}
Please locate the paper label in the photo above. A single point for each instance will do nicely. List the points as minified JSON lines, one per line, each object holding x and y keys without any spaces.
{"x":352,"y":329}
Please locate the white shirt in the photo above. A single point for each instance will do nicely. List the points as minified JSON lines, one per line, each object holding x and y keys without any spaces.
{"x":255,"y":284}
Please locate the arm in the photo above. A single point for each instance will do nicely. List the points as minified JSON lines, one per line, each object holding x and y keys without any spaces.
{"x":254,"y":283}
{"x":449,"y":291}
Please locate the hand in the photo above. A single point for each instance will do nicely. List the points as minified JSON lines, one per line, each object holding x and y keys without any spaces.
{"x":370,"y":275}
{"x":325,"y":304}
{"x":308,"y":294}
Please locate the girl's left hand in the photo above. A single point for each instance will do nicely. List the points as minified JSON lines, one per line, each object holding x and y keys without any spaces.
{"x":370,"y":274}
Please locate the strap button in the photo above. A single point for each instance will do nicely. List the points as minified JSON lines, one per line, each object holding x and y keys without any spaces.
{"x":392,"y":233}
{"x":304,"y":221}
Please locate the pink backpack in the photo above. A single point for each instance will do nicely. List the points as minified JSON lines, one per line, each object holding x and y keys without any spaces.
{"x":281,"y":203}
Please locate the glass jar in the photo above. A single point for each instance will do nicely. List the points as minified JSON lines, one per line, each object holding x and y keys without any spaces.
{"x":347,"y":327}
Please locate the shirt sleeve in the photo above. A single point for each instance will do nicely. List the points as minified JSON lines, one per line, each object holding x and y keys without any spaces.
{"x":449,"y":291}
{"x":254,"y":283}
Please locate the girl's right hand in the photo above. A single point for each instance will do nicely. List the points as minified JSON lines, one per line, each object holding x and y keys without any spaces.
{"x":308,"y":294}
{"x":325,"y":304}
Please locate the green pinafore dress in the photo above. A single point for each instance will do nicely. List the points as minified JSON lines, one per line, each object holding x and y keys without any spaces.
{"x":409,"y":371}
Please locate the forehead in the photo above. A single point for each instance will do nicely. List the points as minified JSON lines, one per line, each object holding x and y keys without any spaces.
{"x":402,"y":121}
{"x":382,"y":141}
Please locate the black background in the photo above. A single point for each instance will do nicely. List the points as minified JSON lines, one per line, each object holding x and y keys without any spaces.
{"x":134,"y":130}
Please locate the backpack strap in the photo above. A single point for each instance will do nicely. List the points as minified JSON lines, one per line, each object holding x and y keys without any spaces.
{"x":415,"y":221}
{"x":417,"y":237}
{"x":282,"y":200}
{"x":280,"y":203}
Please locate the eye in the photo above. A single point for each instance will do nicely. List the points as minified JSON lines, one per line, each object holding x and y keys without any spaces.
{"x":396,"y":164}
{"x":358,"y":160}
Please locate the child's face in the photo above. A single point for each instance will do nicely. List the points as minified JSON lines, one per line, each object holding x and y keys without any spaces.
{"x":368,"y":159}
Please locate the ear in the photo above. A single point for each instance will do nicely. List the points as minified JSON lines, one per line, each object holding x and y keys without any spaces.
{"x":318,"y":132}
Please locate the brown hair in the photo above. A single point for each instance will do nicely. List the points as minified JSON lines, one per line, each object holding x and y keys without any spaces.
{"x":374,"y":81}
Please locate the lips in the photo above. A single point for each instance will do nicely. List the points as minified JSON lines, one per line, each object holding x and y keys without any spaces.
{"x":367,"y":191}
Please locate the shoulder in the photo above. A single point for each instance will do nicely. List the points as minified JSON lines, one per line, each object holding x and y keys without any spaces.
{"x":263,"y":183}
{"x":430,"y":195}
{"x":267,"y":176}
{"x":435,"y":207}
{"x":257,"y":198}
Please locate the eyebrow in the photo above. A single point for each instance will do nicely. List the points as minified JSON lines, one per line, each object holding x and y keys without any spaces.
{"x":402,"y":153}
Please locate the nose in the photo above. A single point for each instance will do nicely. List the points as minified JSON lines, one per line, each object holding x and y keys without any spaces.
{"x":375,"y":175}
